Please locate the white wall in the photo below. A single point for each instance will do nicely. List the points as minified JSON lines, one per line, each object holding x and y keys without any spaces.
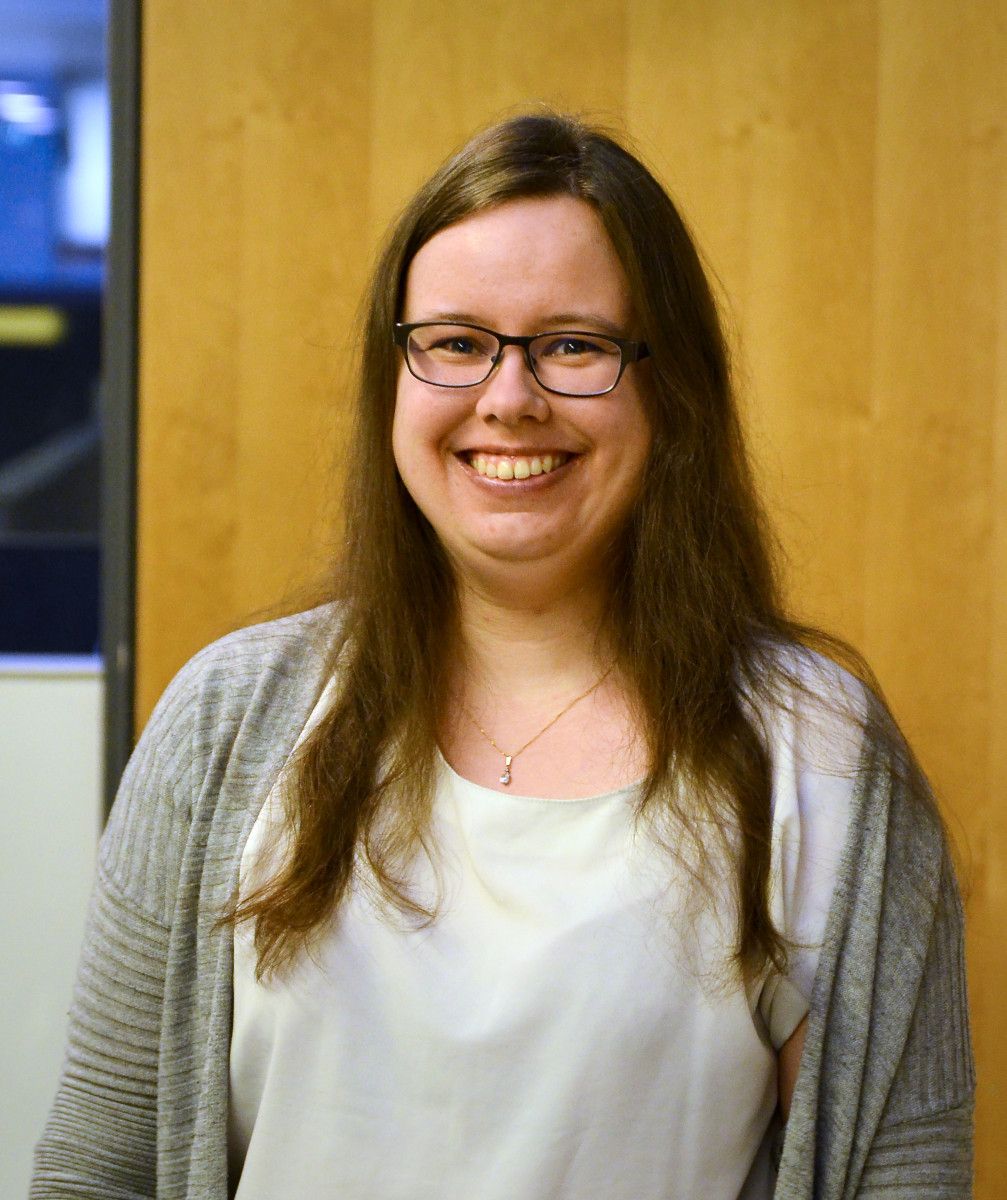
{"x":50,"y":791}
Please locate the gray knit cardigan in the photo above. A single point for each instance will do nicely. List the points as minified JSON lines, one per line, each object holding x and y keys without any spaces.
{"x":883,"y":1101}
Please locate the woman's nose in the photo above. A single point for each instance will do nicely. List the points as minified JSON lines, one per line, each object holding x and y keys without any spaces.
{"x":512,"y":392}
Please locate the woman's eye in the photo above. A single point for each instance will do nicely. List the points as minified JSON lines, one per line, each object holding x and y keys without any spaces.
{"x":573,"y":347}
{"x":457,"y":347}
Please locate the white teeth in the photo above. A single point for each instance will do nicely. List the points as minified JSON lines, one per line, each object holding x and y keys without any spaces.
{"x":516,"y":467}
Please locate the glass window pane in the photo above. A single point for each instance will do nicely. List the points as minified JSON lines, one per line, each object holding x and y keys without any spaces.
{"x":54,"y":212}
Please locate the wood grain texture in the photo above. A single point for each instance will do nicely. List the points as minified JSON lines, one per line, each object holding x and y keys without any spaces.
{"x":843,"y":165}
{"x":255,"y":125}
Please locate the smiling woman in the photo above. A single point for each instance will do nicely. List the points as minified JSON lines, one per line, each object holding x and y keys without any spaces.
{"x":551,"y":858}
{"x":529,"y":265}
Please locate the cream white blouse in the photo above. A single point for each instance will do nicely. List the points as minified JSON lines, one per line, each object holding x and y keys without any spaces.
{"x":567,"y":1029}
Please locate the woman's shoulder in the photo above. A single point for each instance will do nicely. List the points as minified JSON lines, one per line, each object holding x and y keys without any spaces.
{"x":257,"y":666}
{"x":812,"y":712}
{"x":843,"y":773}
{"x":220,"y":731}
{"x":280,"y":646}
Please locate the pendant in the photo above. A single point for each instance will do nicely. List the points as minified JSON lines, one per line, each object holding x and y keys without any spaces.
{"x":505,"y":777}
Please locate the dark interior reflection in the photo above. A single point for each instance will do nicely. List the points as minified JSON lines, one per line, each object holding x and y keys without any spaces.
{"x":53,"y":228}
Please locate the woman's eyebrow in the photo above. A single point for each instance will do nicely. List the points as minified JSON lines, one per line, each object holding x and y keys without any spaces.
{"x":453,"y":318}
{"x":581,"y":320}
{"x":553,"y":321}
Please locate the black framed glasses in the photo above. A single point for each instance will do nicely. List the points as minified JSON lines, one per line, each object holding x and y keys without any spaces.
{"x":568,"y":362}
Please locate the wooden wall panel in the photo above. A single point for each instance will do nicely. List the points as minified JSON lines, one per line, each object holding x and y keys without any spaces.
{"x":843,"y":166}
{"x":255,"y":126}
{"x":436,"y":80}
{"x":776,"y":172}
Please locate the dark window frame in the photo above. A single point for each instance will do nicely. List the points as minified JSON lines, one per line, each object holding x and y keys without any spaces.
{"x":119,"y":353}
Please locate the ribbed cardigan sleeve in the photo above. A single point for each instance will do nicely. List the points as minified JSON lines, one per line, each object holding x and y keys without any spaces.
{"x":883,"y":1103}
{"x":141,"y":1105}
{"x":923,"y":1144}
{"x":101,"y":1136}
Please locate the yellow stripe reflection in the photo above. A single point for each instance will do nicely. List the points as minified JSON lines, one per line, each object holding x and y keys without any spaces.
{"x":31,"y":325}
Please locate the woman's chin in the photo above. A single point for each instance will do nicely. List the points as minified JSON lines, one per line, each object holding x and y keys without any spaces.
{"x":545,"y":562}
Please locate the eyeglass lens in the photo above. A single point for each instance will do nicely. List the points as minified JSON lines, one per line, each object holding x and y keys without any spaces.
{"x":578,"y":364}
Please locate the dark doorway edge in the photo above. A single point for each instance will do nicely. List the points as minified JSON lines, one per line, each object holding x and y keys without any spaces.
{"x":119,"y":400}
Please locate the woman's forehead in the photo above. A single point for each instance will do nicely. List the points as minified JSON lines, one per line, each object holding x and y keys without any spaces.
{"x":550,"y":253}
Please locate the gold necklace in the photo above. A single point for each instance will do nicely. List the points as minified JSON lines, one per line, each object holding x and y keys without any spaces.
{"x":505,"y":777}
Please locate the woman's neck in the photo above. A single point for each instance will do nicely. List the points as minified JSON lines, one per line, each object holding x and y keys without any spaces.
{"x":530,"y":644}
{"x":536,"y":682}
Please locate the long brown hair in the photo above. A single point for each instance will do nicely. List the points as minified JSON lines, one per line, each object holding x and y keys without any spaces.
{"x":694,"y":614}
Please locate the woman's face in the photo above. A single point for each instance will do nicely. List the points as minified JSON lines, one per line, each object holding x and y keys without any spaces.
{"x":524,"y":267}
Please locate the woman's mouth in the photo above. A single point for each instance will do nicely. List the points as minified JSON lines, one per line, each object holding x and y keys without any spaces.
{"x":515,"y":466}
